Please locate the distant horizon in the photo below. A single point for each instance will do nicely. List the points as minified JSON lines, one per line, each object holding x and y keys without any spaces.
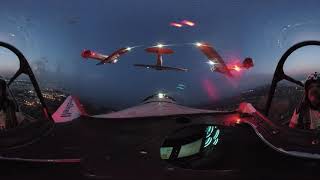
{"x":44,"y":83}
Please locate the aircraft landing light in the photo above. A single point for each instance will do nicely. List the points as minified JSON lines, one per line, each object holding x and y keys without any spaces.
{"x":160,"y":45}
{"x":198,"y":44}
{"x":161,"y":95}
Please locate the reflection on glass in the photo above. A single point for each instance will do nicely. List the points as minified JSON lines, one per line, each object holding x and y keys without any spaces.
{"x":190,"y":149}
{"x":288,"y":96}
{"x":165,"y":152}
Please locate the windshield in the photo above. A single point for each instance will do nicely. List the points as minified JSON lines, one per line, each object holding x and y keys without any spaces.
{"x":54,"y":34}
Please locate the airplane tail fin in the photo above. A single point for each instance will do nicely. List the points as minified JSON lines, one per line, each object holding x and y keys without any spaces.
{"x":86,"y":54}
{"x":247,"y":63}
{"x":70,"y":109}
{"x":100,"y":63}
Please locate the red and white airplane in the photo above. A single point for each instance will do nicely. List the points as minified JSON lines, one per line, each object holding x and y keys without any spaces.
{"x":182,"y":23}
{"x":112,"y":58}
{"x":159,"y":50}
{"x":218,"y":64}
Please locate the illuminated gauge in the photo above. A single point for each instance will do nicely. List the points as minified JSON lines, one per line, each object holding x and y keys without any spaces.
{"x":212,"y":136}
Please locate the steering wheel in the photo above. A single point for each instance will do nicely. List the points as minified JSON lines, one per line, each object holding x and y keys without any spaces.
{"x":24,"y":68}
{"x":279,"y":74}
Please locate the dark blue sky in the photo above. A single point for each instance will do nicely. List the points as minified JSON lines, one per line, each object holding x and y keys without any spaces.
{"x":52,"y":35}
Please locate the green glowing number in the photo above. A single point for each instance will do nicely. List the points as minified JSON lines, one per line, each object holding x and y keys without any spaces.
{"x":209,"y":131}
{"x":216,"y":135}
{"x":208,"y":141}
{"x":210,"y":138}
{"x":215,"y":142}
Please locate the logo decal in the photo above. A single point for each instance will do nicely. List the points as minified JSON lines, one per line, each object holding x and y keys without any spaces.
{"x":66,"y":112}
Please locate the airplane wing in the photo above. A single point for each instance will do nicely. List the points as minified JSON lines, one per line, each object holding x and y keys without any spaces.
{"x":155,"y":107}
{"x":113,"y":58}
{"x":213,"y":55}
{"x":101,"y":62}
{"x":173,"y":68}
{"x":108,"y":59}
{"x":161,"y":67}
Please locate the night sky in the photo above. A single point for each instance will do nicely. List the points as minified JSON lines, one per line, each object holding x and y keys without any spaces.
{"x":53,"y":34}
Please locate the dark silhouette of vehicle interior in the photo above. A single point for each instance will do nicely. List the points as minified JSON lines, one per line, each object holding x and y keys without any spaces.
{"x":166,"y":140}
